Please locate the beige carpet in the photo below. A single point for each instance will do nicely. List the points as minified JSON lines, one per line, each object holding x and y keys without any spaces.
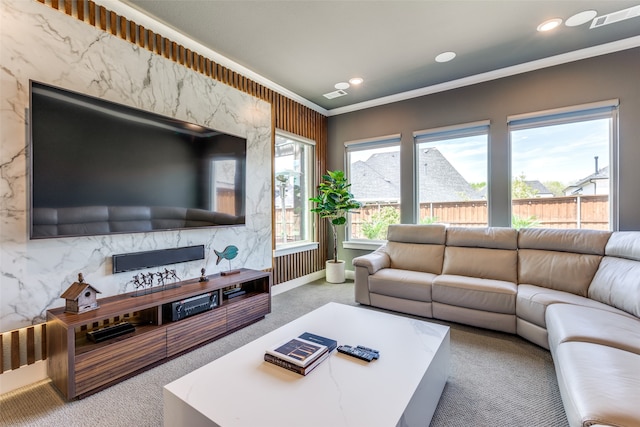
{"x":496,"y":379}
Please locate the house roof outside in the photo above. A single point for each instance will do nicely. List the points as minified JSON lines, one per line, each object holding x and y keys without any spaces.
{"x":540,"y":189}
{"x":377,"y":179}
{"x":600,"y":174}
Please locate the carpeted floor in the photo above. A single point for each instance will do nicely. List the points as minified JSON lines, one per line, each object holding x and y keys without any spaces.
{"x":496,"y":379}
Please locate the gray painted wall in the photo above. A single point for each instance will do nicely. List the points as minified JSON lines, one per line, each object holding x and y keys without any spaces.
{"x":610,"y":76}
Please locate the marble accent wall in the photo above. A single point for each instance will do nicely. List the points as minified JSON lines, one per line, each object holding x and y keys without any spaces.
{"x":40,"y":43}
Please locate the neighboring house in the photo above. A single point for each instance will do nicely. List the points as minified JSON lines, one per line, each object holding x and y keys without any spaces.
{"x":378,"y":179}
{"x":539,"y":188}
{"x":596,"y":183}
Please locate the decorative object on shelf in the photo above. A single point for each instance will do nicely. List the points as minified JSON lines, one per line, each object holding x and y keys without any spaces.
{"x":229,"y":253}
{"x":80,"y":297}
{"x":154,"y":282}
{"x":334,"y":202}
{"x":203,"y":276}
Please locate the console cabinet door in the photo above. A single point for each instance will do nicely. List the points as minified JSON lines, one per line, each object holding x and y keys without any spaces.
{"x":108,"y":363}
{"x":247,"y":310}
{"x":190,"y":332}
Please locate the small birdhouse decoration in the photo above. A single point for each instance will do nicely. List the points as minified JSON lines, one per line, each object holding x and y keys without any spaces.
{"x":80,"y":297}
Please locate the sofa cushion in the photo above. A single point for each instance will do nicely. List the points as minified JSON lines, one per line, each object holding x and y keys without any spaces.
{"x":598,"y":384}
{"x":563,"y":240}
{"x":406,"y":284}
{"x":532,"y":302}
{"x":567,"y":322}
{"x":617,"y":283}
{"x":479,"y":294}
{"x":624,"y":244}
{"x":433,"y":234}
{"x":416,"y":257}
{"x":490,"y":237}
{"x":496,"y":264}
{"x":563,"y":271}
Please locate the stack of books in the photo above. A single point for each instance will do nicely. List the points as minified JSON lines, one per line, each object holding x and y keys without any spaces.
{"x":301,"y":355}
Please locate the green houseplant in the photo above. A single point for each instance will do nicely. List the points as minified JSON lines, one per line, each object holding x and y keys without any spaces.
{"x":333,"y":202}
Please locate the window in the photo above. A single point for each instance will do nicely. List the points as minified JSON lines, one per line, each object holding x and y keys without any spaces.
{"x":563,"y":167}
{"x":373,"y":169}
{"x":451,"y":175}
{"x":293,"y":183}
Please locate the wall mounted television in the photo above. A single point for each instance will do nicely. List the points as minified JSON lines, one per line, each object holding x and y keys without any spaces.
{"x":99,"y":167}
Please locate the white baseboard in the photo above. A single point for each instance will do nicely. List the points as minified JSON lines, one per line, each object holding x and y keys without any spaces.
{"x":292,"y":284}
{"x":25,"y":375}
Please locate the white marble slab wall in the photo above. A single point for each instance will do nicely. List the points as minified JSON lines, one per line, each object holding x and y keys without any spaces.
{"x":46,"y":45}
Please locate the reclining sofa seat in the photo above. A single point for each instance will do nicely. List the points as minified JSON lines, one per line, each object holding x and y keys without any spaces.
{"x":555,"y":266}
{"x":596,"y":350}
{"x":399,"y":275}
{"x":478,"y":281}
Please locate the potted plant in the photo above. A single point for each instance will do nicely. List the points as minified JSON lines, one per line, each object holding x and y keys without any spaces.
{"x":333,"y":202}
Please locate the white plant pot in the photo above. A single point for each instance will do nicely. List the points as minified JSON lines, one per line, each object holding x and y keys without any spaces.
{"x":335,"y":271}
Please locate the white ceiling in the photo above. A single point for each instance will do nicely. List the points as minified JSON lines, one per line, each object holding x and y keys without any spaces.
{"x":306,"y":47}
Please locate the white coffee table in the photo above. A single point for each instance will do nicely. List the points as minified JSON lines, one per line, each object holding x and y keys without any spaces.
{"x":402,"y":388}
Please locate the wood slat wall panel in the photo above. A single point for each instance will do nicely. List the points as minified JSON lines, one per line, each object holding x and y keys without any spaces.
{"x":15,"y":350}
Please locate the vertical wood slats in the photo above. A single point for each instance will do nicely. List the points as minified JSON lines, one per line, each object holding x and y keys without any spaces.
{"x":288,"y":115}
{"x":22,"y":341}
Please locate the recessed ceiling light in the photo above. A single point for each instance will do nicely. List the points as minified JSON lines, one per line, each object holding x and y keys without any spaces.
{"x":445,"y":56}
{"x":549,"y":24}
{"x":356,"y":81}
{"x":341,"y":86}
{"x":581,"y":18}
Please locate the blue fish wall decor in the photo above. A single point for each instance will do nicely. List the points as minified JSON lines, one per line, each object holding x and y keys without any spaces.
{"x":229,"y":253}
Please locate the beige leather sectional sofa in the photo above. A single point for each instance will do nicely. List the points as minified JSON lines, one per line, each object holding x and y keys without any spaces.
{"x":575,"y":292}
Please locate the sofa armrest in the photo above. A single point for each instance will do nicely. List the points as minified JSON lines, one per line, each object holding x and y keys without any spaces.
{"x":374,"y":261}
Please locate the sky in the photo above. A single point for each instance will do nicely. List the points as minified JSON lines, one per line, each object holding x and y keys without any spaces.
{"x":562,"y":152}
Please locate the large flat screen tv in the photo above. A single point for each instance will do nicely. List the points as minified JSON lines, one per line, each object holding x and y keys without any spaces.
{"x":98,"y":167}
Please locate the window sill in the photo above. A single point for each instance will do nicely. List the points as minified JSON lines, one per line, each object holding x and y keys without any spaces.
{"x":366,"y":245}
{"x":295,"y":248}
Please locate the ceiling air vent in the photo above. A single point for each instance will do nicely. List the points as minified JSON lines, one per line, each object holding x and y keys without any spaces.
{"x":335,"y":94}
{"x":614,"y":17}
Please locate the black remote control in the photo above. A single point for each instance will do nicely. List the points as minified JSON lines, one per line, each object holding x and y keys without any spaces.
{"x":376,"y":353}
{"x":356,"y":352}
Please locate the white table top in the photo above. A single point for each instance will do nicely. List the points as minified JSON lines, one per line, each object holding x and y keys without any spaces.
{"x":241,"y":389}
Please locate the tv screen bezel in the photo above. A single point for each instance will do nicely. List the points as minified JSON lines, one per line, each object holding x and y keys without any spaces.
{"x":135,"y":110}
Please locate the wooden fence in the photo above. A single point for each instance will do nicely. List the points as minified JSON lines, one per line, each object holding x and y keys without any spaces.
{"x":590,"y":212}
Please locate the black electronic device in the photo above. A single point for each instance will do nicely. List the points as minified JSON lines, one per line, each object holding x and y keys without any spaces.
{"x":376,"y":353}
{"x":142,"y":171}
{"x":356,"y":352}
{"x":178,"y":310}
{"x":111,"y":331}
{"x":233,"y":292}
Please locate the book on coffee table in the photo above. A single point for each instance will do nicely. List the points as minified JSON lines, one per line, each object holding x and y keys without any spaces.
{"x":298,"y":351}
{"x":318,"y":339}
{"x":295,"y":368}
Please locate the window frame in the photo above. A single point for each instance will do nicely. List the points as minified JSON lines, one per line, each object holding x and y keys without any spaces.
{"x":310,"y":241}
{"x":607,"y":109}
{"x":386,"y":141}
{"x":462,"y":130}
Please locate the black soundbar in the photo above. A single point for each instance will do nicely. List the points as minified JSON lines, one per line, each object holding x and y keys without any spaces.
{"x":111,"y":331}
{"x":149,"y":259}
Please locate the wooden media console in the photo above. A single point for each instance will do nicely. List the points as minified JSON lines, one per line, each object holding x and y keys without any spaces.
{"x":78,"y":366}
